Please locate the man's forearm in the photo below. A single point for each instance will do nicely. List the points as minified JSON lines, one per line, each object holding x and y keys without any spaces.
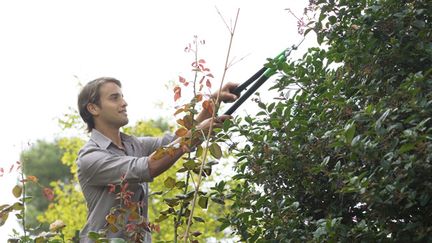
{"x":158,"y":166}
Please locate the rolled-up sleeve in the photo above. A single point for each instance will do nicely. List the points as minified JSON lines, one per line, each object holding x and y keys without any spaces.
{"x":100,"y":167}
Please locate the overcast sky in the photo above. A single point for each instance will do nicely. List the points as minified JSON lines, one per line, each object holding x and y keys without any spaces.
{"x":48,"y":46}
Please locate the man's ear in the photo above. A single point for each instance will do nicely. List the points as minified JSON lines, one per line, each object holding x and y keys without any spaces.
{"x":93,"y":109}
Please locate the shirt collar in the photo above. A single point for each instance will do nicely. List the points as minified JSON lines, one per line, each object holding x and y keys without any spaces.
{"x":104,"y":142}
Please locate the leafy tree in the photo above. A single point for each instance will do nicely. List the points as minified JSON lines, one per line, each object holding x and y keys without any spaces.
{"x":348,"y":156}
{"x":42,"y":160}
{"x":69,"y":204}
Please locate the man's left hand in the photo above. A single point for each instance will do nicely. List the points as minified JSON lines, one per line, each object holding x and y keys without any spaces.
{"x":226,"y":94}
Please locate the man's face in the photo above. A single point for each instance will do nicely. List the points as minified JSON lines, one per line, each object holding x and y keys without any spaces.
{"x":112,"y":109}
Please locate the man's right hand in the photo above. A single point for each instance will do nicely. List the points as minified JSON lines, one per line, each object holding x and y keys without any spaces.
{"x":217,"y":123}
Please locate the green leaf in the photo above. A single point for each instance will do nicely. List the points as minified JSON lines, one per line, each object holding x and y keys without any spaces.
{"x":332,"y":19}
{"x":190,"y":164}
{"x":215,"y":150}
{"x":349,"y":132}
{"x":172,"y":202}
{"x":161,"y":218}
{"x":26,"y":199}
{"x":180,"y":184}
{"x":199,"y":151}
{"x":94,"y":235}
{"x":203,"y":202}
{"x":270,"y":107}
{"x":226,"y":125}
{"x":170,"y":182}
{"x":40,"y":239}
{"x":406,"y":147}
{"x":199,"y":219}
{"x":3,"y":218}
{"x":53,"y":241}
{"x":17,"y":191}
{"x":218,"y":200}
{"x":18,"y":206}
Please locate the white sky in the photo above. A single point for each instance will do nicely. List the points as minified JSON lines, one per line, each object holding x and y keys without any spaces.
{"x":45,"y":43}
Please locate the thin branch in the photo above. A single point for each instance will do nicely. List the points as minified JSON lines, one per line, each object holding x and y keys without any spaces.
{"x":233,"y":61}
{"x":291,"y":12}
{"x":186,"y":235}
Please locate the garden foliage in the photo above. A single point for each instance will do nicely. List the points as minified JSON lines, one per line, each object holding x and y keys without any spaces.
{"x":348,"y":156}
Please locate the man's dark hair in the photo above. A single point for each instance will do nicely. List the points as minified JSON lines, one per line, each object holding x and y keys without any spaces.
{"x":91,"y":94}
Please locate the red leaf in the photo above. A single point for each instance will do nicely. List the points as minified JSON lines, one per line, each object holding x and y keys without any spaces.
{"x":48,"y":193}
{"x":182,"y":80}
{"x":155,"y":227}
{"x":177,"y":93}
{"x":202,"y":80}
{"x":202,"y":61}
{"x":208,"y":83}
{"x":1,"y":171}
{"x":210,"y":75}
{"x":130,"y":227}
{"x":11,"y":168}
{"x":188,"y":48}
{"x":32,"y":178}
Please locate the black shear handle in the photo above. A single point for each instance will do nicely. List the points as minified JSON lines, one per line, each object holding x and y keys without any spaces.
{"x":249,"y":92}
{"x":237,"y":91}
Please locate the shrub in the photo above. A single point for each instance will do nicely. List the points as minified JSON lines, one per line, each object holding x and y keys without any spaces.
{"x":348,"y":156}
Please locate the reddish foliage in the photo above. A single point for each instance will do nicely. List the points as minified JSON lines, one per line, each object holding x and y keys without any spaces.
{"x":48,"y":193}
{"x":177,"y":93}
{"x":11,"y":168}
{"x":130,"y":227}
{"x":183,"y":81}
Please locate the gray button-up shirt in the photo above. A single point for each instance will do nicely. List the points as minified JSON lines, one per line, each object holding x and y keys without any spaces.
{"x":101,"y":162}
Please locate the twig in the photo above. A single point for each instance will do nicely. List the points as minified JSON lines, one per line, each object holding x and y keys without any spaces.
{"x":223,"y":19}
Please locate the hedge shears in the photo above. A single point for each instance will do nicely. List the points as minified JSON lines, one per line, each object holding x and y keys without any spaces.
{"x":257,"y":79}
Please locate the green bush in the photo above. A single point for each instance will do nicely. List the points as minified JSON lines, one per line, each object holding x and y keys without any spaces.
{"x":348,"y":156}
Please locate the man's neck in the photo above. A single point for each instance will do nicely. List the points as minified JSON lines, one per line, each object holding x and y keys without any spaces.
{"x":112,"y":133}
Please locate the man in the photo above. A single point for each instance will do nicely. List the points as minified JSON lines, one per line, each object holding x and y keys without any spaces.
{"x":110,"y":154}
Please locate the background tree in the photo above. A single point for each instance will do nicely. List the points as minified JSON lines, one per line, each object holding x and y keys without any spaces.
{"x":42,"y":160}
{"x":348,"y":156}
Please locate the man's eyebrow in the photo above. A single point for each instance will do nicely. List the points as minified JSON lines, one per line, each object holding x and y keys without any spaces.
{"x":115,"y":94}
